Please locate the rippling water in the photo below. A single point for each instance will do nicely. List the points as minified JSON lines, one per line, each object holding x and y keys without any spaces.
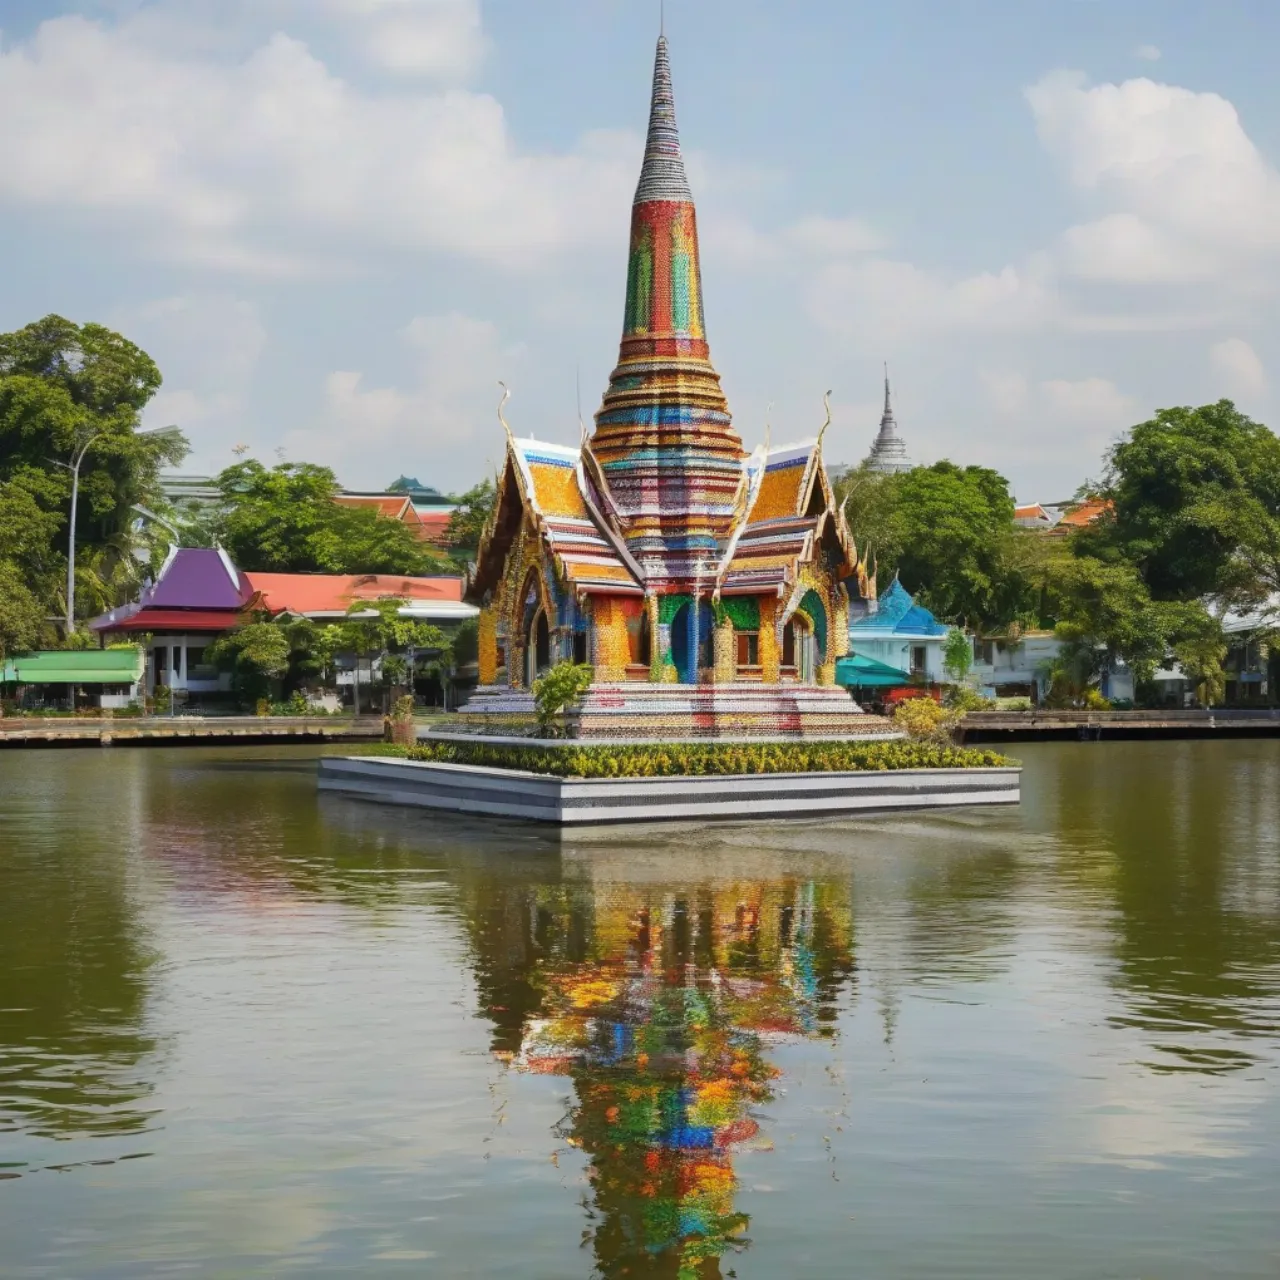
{"x":247,"y":1030}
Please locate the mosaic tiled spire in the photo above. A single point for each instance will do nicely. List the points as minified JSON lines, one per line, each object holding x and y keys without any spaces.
{"x":664,"y":436}
{"x":889,"y":452}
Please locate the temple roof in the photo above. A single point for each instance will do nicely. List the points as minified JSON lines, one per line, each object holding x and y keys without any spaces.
{"x":548,"y":481}
{"x":898,"y":614}
{"x":664,"y":438}
{"x":789,"y":508}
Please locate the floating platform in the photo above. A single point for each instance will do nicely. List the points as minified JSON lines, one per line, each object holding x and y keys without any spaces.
{"x":585,"y":802}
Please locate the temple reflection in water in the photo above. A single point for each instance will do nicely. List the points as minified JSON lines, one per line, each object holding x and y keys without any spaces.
{"x":659,"y":1003}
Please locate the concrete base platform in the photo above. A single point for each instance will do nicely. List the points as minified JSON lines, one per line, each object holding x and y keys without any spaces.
{"x":578,"y":802}
{"x":639,"y":711}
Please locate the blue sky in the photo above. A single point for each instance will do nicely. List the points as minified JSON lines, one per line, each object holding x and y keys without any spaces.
{"x":336,"y":223}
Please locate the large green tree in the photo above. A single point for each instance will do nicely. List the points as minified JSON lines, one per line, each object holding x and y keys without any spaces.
{"x":947,"y":531}
{"x":469,"y":517}
{"x":284,"y":519}
{"x":67,"y":389}
{"x":1195,"y":505}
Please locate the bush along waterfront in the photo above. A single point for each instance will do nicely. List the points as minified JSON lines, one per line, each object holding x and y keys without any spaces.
{"x":676,"y":760}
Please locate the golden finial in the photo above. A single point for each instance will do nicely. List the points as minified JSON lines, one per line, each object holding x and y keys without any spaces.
{"x":826,"y":402}
{"x":506,"y":395}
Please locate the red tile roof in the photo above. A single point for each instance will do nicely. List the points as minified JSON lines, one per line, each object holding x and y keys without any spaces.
{"x":394,"y":506}
{"x":1086,"y":513}
{"x":176,"y":620}
{"x":335,"y":592}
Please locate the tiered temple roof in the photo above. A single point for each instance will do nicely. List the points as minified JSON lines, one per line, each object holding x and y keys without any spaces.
{"x":663,"y":497}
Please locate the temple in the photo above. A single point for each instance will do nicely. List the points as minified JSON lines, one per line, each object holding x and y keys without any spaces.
{"x":708,"y":586}
{"x":889,"y":451}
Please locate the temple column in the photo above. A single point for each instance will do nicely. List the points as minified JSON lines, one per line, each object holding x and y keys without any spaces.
{"x":487,"y":642}
{"x":725,"y":653}
{"x":612,"y":649}
{"x":770,"y":655}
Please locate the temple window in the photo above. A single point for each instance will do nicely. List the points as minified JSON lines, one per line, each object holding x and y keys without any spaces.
{"x":919,"y":659}
{"x":748,"y":649}
{"x":580,"y":647}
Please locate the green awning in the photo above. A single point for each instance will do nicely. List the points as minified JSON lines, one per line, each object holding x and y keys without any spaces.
{"x":85,"y":666}
{"x":857,"y":672}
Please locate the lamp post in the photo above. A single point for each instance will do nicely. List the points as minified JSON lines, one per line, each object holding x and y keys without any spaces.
{"x":77,"y":456}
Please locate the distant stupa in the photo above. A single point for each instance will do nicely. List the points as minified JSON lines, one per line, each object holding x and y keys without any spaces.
{"x":889,"y":453}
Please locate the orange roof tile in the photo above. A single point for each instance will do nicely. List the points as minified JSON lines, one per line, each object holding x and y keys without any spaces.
{"x":335,"y":592}
{"x":1086,"y":513}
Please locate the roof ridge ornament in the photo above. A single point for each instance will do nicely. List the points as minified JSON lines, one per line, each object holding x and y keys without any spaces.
{"x":506,"y":395}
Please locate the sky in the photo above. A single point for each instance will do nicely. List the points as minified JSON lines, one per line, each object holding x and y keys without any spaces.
{"x":336,"y":224}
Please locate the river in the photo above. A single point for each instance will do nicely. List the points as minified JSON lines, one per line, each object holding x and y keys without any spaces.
{"x":248,"y":1030}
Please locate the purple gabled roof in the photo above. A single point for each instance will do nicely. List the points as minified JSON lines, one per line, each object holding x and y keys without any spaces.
{"x":194,"y":578}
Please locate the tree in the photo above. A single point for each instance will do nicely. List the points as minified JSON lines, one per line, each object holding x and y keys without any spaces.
{"x":257,"y":655}
{"x":284,"y":519}
{"x":22,"y":621}
{"x":375,"y":627}
{"x":957,"y":655}
{"x":1195,"y":505}
{"x":473,"y":509}
{"x":64,"y":386}
{"x":947,"y":531}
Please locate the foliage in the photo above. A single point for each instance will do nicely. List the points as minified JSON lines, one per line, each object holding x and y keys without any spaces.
{"x":284,"y":519}
{"x":947,"y":531}
{"x":924,"y":720}
{"x":1201,"y":655}
{"x":1195,"y":497}
{"x":64,"y":386}
{"x":466,"y":642}
{"x":957,"y":655}
{"x":566,"y":682}
{"x":403,"y":708}
{"x":668,"y":760}
{"x":257,"y":655}
{"x":964,"y":698}
{"x":473,"y":509}
{"x":22,"y":622}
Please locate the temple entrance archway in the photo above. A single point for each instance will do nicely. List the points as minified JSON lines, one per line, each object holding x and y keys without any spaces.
{"x":798,"y":649}
{"x":692,"y":639}
{"x":538,"y":646}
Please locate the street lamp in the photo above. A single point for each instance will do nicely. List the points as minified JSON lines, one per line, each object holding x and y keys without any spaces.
{"x":78,"y":456}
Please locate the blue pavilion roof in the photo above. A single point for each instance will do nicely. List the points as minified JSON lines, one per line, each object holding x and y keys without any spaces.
{"x":898,"y":614}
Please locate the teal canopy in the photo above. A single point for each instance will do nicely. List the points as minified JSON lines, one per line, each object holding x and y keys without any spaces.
{"x":857,"y":672}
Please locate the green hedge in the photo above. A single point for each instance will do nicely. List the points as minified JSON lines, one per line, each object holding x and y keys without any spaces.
{"x":675,"y":760}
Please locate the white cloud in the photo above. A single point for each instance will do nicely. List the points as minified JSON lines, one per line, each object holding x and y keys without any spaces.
{"x":1009,"y":393}
{"x":443,"y":422}
{"x":1235,"y":361}
{"x":1147,"y":53}
{"x":1089,"y":404}
{"x":1058,"y":425}
{"x":1191,"y":196}
{"x":263,"y":161}
{"x":881,"y":297}
{"x":421,"y":37}
{"x":833,"y":237}
{"x":208,"y":346}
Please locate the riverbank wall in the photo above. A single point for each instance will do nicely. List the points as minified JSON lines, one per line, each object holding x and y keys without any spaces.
{"x":1096,"y":726}
{"x":20,"y":731}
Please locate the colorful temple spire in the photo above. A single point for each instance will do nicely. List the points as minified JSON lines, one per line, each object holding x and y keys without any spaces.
{"x":664,"y":437}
